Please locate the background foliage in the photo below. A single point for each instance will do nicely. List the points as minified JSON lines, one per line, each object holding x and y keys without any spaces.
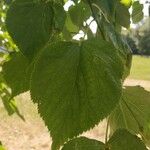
{"x":75,"y":83}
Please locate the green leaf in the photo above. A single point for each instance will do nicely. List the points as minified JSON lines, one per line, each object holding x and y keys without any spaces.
{"x":124,"y":140}
{"x":138,"y":100}
{"x":121,"y":140}
{"x":76,"y":86}
{"x":137,"y":12}
{"x":83,"y":143}
{"x":120,"y":43}
{"x":16,"y":72}
{"x":59,"y":16}
{"x":70,"y":26}
{"x":147,"y":134}
{"x":9,"y":102}
{"x":122,"y":15}
{"x":29,"y":23}
{"x":79,"y":13}
{"x":1,"y":146}
{"x":66,"y":34}
{"x":107,"y":7}
{"x":127,"y":3}
{"x":125,"y":53}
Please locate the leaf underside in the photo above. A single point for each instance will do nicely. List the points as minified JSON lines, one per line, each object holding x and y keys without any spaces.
{"x":137,"y":12}
{"x":17,"y":74}
{"x":29,"y":23}
{"x":138,"y":100}
{"x":76,"y":86}
{"x":83,"y":143}
{"x":121,"y":140}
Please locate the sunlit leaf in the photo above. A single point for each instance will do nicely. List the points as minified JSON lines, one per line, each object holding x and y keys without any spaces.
{"x":72,"y":84}
{"x":16,"y":72}
{"x":29,"y":23}
{"x":134,"y":113}
{"x":83,"y":143}
{"x":120,"y":140}
{"x":137,"y":12}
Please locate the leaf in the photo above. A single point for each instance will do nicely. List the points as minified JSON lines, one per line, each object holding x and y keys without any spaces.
{"x":127,"y":3}
{"x":83,"y":143}
{"x":1,"y":146}
{"x":29,"y":23}
{"x":9,"y":103}
{"x":59,"y":16}
{"x":122,"y":15}
{"x":147,"y":134}
{"x":115,"y":11}
{"x":137,"y":12}
{"x":124,"y":140}
{"x":70,"y":26}
{"x":76,"y":86}
{"x":138,"y":100}
{"x":107,"y":7}
{"x":79,"y":13}
{"x":120,"y":43}
{"x":7,"y":100}
{"x":125,"y":53}
{"x":121,"y":140}
{"x":16,"y":72}
{"x":66,"y":34}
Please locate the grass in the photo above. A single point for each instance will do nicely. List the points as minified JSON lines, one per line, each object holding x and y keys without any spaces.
{"x":140,"y":69}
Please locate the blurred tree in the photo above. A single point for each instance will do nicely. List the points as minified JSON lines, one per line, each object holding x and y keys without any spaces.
{"x":144,"y":44}
{"x":132,"y":44}
{"x":138,"y":38}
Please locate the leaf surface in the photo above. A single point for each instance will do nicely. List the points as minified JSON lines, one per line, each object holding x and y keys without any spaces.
{"x":83,"y":143}
{"x":124,"y":140}
{"x":79,"y":13}
{"x":108,"y":7}
{"x":76,"y":86}
{"x":29,"y":23}
{"x":137,"y":12}
{"x":122,"y":15}
{"x":127,"y":3}
{"x":138,"y":100}
{"x":1,"y":146}
{"x":59,"y":16}
{"x":17,"y":74}
{"x":121,"y":140}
